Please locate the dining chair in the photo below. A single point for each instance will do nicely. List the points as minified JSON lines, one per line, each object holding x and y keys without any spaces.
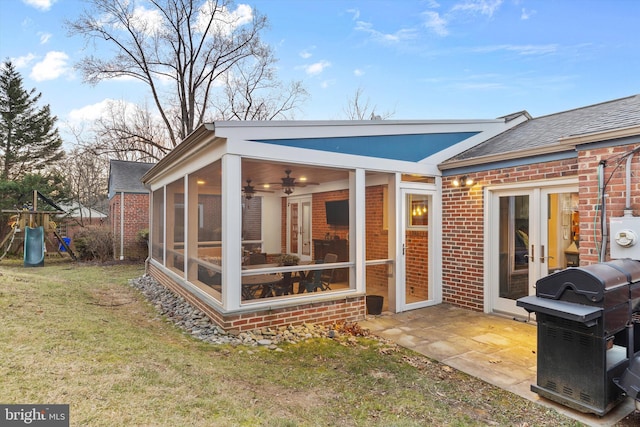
{"x":258,"y":258}
{"x":321,"y":279}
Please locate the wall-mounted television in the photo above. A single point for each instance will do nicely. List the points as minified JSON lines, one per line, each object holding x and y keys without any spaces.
{"x":337,"y":212}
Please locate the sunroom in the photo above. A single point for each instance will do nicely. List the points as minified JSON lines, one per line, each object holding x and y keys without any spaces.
{"x":273,"y":223}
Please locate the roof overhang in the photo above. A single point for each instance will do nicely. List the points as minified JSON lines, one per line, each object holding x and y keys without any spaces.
{"x":510,"y":155}
{"x":587,"y":138}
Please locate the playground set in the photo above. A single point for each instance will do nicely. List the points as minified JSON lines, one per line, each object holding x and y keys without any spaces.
{"x":32,"y":227}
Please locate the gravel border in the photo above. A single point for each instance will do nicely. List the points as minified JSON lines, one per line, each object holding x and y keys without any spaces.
{"x":196,"y":323}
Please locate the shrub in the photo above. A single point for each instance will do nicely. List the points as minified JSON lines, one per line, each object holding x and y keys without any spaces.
{"x":94,"y":243}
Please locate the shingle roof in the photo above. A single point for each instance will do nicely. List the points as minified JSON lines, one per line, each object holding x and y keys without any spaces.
{"x":545,"y":131}
{"x":125,"y":176}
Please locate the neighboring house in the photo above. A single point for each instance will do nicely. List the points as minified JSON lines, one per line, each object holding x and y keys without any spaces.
{"x":543,"y":197}
{"x":77,"y":217}
{"x":359,"y":199}
{"x":128,"y":208}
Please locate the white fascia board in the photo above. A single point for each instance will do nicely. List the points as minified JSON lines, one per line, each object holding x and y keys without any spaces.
{"x":344,"y":128}
{"x":198,"y":157}
{"x":280,"y":154}
{"x":489,"y":131}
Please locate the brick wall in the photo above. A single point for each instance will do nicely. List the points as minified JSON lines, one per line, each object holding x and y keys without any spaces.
{"x":463,"y":226}
{"x":350,"y":309}
{"x":463,"y":231}
{"x":319,"y":215}
{"x":615,"y":176}
{"x":136,"y":218}
{"x":377,"y":243}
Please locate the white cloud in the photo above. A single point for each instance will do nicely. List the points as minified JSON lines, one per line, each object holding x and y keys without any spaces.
{"x":147,"y":20}
{"x":51,"y":67}
{"x":45,"y":37}
{"x":520,"y":49}
{"x":358,"y":72}
{"x":526,"y":14}
{"x":90,"y":113}
{"x":355,"y":13}
{"x":317,"y":67}
{"x":23,"y":61}
{"x":225,"y":21}
{"x":435,"y":23}
{"x":305,"y":54}
{"x":484,"y":7}
{"x":43,"y":5}
{"x":327,"y":83}
{"x":400,"y":35}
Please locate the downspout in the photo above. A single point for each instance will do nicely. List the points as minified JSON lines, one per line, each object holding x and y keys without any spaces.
{"x":603,"y":213}
{"x":121,"y":225}
{"x":628,"y":212}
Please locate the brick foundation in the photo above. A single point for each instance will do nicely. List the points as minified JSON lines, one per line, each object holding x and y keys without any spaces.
{"x":349,"y":309}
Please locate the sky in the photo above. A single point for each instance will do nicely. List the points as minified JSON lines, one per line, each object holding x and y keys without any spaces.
{"x":411,"y":59}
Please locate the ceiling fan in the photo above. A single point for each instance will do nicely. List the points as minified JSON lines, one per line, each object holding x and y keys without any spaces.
{"x":249,"y":190}
{"x":288,"y":183}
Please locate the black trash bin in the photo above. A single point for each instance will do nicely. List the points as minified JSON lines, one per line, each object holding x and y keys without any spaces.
{"x":374,"y":304}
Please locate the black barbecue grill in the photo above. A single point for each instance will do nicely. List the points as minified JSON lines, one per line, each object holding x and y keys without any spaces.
{"x":586,"y":334}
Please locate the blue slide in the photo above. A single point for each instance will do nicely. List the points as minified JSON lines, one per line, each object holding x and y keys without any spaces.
{"x":34,"y":247}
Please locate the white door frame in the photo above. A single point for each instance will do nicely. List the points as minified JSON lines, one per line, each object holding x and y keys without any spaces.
{"x":301,"y":220}
{"x":434,"y":248}
{"x":537,"y":192}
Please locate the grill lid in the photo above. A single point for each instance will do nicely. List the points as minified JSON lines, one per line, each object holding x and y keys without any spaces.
{"x":591,"y":281}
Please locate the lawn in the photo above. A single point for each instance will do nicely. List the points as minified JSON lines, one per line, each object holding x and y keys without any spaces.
{"x":78,"y":334}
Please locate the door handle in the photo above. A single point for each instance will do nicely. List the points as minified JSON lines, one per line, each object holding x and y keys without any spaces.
{"x":542,"y":257}
{"x":530,"y":257}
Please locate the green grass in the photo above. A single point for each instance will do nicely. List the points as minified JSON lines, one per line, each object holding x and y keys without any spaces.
{"x":78,"y":334}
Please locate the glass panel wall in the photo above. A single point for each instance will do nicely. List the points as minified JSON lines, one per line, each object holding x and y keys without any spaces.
{"x":377,"y":235}
{"x":157,"y":234}
{"x":285,"y":206}
{"x":175,"y":211}
{"x":205,"y":229}
{"x":252,"y":225}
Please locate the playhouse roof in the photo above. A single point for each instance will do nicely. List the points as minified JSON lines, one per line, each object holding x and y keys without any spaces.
{"x":550,"y":134}
{"x":124,"y":176}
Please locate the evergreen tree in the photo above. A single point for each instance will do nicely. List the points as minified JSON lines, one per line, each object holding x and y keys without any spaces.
{"x":29,"y":140}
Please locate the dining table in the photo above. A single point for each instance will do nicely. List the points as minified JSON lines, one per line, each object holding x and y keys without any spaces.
{"x":261,"y":285}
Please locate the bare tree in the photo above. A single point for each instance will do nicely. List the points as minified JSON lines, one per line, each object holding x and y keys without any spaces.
{"x":87,"y":177}
{"x":253,"y":92}
{"x":130,"y":132}
{"x":358,"y":108}
{"x":189,"y":45}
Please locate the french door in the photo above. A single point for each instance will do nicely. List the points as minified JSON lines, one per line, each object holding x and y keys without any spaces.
{"x":531,"y":233}
{"x":299,"y":227}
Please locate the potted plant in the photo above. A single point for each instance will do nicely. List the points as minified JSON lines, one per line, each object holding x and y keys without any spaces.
{"x":288,"y":259}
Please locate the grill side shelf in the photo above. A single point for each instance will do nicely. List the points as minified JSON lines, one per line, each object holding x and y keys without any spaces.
{"x":565,"y":310}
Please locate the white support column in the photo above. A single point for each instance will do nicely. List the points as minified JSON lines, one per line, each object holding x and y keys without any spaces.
{"x":357,"y":221}
{"x":231,"y":231}
{"x":435,"y":240}
{"x":395,"y":230}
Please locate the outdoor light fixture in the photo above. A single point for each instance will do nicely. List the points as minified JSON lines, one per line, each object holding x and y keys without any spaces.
{"x":463,"y":181}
